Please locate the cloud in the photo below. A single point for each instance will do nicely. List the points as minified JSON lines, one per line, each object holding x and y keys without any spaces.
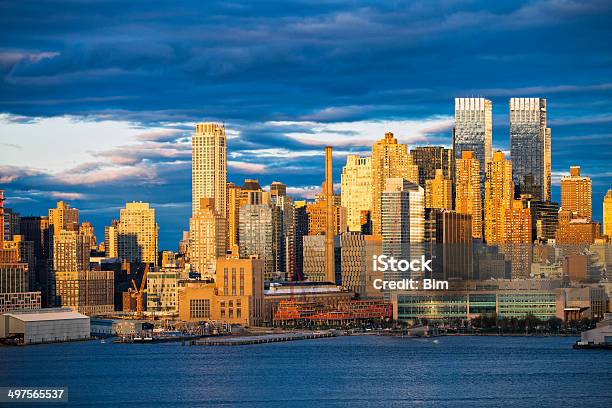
{"x":244,"y":167}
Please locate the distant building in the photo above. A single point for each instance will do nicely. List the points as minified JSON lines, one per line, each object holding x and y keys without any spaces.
{"x":356,"y":190}
{"x":162,"y":289}
{"x":474,"y":130}
{"x":207,"y":234}
{"x":208,"y":166}
{"x":454,"y":237}
{"x":137,"y":233}
{"x":111,"y":238}
{"x":432,"y":158}
{"x":439,"y":192}
{"x":390,"y":159}
{"x":576,"y":194}
{"x":232,"y":215}
{"x":499,"y":193}
{"x":259,"y":234}
{"x":12,"y":222}
{"x":530,"y":147}
{"x":607,"y":214}
{"x":236,"y":297}
{"x":63,"y":217}
{"x":516,"y":238}
{"x":468,"y":198}
{"x":87,"y":292}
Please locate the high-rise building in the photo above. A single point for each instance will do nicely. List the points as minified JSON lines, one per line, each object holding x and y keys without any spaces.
{"x":431,"y":158}
{"x":25,"y":254}
{"x":576,"y":194}
{"x":251,"y":193}
{"x":356,"y":189}
{"x":287,"y":259}
{"x":300,"y":219}
{"x":516,"y":238}
{"x":1,"y":217}
{"x":390,"y":159}
{"x":88,"y":230}
{"x":209,"y":167}
{"x":11,"y":223}
{"x":499,"y":193}
{"x":111,"y":239}
{"x":403,"y":216}
{"x":259,"y":233}
{"x":317,"y":216}
{"x":232,"y":215}
{"x":207,"y":234}
{"x":314,"y":258}
{"x":467,"y":190}
{"x":71,"y":251}
{"x":530,"y":147}
{"x":162,"y":288}
{"x":544,"y":219}
{"x":607,"y":214}
{"x":137,"y":233}
{"x":474,"y":130}
{"x":454,"y":237}
{"x":278,"y":189}
{"x":439,"y":192}
{"x":63,"y":217}
{"x":36,"y":230}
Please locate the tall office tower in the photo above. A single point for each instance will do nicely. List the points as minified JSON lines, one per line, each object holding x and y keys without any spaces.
{"x":547,"y":165}
{"x":356,"y":189}
{"x":232,"y":215}
{"x":209,"y":167}
{"x":278,"y":189}
{"x":499,"y":193}
{"x":87,"y":292}
{"x":516,"y":238}
{"x":453,"y":235}
{"x":259,"y":233}
{"x":403,"y":218}
{"x":530,"y":147}
{"x":314,"y":258}
{"x":439,"y":192}
{"x":576,"y":194}
{"x":111,"y":240}
{"x":431,"y":158}
{"x":63,"y":217}
{"x":207,"y":233}
{"x":88,"y":230}
{"x":607,"y":214}
{"x":317,"y":215}
{"x":300,"y":218}
{"x":474,"y":131}
{"x":137,"y":233}
{"x":467,"y":190}
{"x":389,"y":160}
{"x":11,"y":224}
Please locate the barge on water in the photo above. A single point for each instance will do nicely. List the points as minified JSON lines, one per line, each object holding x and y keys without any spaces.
{"x":261,"y":339}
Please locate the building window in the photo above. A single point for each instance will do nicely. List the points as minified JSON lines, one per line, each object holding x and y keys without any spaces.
{"x":199,"y":308}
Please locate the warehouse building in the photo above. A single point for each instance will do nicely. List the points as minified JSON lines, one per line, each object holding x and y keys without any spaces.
{"x":43,"y":326}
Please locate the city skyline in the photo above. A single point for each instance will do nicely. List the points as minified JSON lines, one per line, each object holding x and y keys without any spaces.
{"x":120,"y":127}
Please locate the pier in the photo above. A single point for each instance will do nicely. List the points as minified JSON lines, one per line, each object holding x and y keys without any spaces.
{"x":266,"y":338}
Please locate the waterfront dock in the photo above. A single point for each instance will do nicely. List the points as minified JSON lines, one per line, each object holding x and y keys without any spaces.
{"x":261,"y":339}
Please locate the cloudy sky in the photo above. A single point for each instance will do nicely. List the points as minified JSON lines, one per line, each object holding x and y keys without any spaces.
{"x":98,"y":100}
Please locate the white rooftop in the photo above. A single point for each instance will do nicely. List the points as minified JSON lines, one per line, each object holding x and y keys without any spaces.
{"x":41,"y":315}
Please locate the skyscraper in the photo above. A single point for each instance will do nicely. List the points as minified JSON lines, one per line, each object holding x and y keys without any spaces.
{"x":530,"y":147}
{"x":259,"y":233}
{"x":576,"y":194}
{"x":499,"y":193}
{"x":137,"y":233}
{"x":207,"y":234}
{"x":356,"y":190}
{"x":232,"y":215}
{"x":403,"y":217}
{"x":208,"y":168}
{"x":63,"y":217}
{"x":431,"y":158}
{"x":516,"y":238}
{"x":467,"y":190}
{"x":389,"y":160}
{"x":474,"y":130}
{"x":70,"y":251}
{"x":607,"y":214}
{"x":439,"y":192}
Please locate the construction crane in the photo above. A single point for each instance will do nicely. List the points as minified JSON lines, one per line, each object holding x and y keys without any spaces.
{"x":138,"y":293}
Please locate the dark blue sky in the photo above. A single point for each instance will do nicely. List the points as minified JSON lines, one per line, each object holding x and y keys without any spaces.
{"x":98,"y":99}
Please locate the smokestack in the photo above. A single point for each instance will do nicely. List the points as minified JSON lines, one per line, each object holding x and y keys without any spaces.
{"x":330,"y":270}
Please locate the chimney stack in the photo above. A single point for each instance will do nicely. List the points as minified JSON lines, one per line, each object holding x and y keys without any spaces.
{"x":330,"y":270}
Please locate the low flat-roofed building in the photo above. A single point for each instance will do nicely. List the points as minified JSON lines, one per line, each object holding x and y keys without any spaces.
{"x":44,"y":326}
{"x":601,"y":334}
